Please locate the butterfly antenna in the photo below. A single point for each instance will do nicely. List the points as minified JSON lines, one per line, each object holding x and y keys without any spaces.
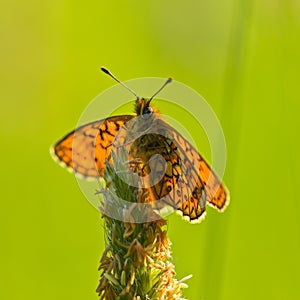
{"x":169,"y":80}
{"x":117,"y":80}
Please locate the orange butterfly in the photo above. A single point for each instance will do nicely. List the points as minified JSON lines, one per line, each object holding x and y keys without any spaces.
{"x":183,"y":179}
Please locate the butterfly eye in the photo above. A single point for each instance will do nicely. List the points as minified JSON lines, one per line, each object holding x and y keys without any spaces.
{"x":147,"y":110}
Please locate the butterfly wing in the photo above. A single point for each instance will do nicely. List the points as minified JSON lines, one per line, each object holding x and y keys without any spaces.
{"x":188,"y":183}
{"x":85,"y":150}
{"x":180,"y":186}
{"x":206,"y":183}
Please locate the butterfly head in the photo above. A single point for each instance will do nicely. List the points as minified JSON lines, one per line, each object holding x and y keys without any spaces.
{"x":143,"y":107}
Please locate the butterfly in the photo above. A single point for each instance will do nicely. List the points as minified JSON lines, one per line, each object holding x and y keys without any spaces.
{"x":180,"y":175}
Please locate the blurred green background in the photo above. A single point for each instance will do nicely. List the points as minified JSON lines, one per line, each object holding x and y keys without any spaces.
{"x":242,"y":56}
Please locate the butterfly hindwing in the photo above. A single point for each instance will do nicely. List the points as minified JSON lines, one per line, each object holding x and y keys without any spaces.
{"x":188,"y":183}
{"x":181,"y":187}
{"x":197,"y":171}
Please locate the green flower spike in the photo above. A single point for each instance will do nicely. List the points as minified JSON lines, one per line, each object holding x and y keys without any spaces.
{"x":136,"y":263}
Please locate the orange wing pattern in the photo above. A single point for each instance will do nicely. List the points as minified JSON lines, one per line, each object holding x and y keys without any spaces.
{"x":85,"y":150}
{"x":196,"y":169}
{"x":180,"y":187}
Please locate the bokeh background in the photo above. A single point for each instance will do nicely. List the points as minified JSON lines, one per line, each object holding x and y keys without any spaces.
{"x":242,"y":56}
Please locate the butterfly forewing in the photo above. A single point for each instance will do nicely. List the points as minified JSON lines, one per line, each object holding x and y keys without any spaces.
{"x":85,"y":149}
